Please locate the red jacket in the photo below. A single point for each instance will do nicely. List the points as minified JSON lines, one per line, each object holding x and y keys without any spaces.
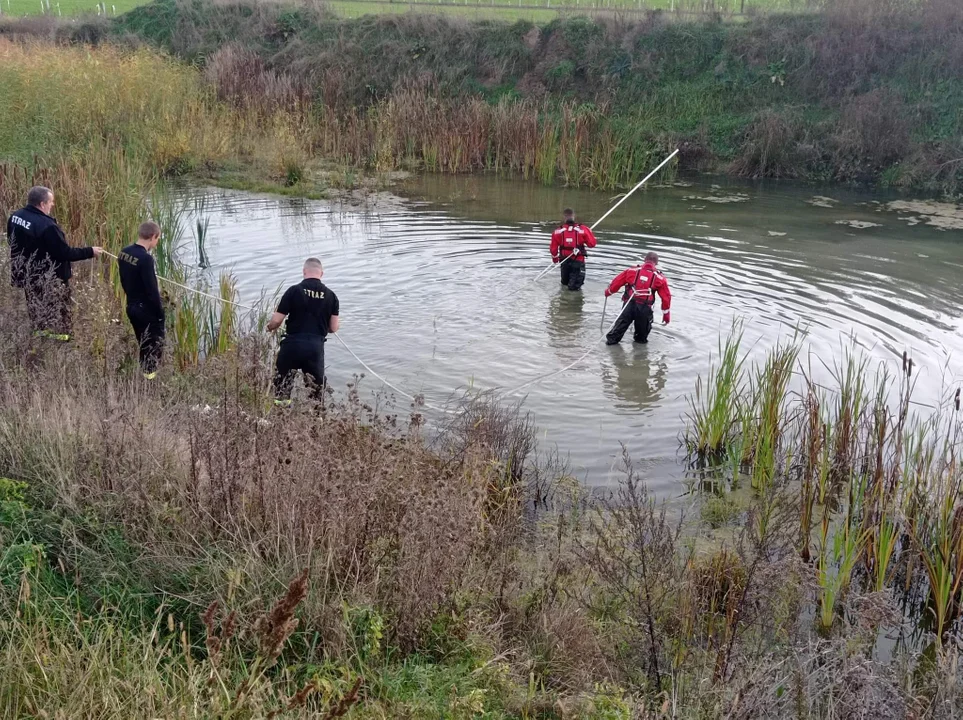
{"x":567,"y":237}
{"x":647,"y":281}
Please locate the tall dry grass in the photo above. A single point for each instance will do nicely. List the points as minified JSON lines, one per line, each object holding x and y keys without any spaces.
{"x":157,"y":525}
{"x":159,"y":113}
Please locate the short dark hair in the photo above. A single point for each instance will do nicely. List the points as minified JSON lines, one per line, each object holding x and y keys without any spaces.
{"x":148,"y":230}
{"x":652,"y":257}
{"x":38,"y":195}
{"x":568,"y":211}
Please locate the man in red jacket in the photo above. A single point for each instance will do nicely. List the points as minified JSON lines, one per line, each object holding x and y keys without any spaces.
{"x":641,"y":284}
{"x":568,"y":248}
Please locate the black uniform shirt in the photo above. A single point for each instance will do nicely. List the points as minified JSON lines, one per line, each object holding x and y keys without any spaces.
{"x":37,"y":243}
{"x":309,"y":306}
{"x":139,"y":278}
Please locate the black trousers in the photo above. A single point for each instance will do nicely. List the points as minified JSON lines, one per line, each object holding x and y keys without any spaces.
{"x":573,"y":274}
{"x":641,"y":315}
{"x":48,"y":304}
{"x":150,"y":331}
{"x":306,"y":355}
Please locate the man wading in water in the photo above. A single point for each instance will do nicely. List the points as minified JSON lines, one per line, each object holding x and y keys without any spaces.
{"x":312,"y":312}
{"x":641,"y":283}
{"x":568,"y":247}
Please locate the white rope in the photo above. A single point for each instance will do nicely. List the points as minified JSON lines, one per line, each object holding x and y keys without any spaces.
{"x":568,"y":367}
{"x":195,"y":290}
{"x":401,"y":392}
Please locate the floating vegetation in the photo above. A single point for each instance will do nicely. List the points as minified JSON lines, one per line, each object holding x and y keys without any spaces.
{"x":720,"y":199}
{"x":822,"y":201}
{"x":858,"y":224}
{"x":941,"y":215}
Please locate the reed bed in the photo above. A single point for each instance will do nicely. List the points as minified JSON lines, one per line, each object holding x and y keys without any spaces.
{"x":878,"y":486}
{"x":168,"y":120}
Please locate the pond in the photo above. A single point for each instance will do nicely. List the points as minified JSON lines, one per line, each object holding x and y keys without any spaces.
{"x":437,"y":293}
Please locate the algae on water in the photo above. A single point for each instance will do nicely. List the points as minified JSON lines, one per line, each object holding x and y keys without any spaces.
{"x":941,"y":215}
{"x":822,"y":201}
{"x":858,"y":224}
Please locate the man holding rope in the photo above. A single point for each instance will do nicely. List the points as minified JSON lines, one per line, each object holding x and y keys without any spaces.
{"x":312,"y":311}
{"x":40,"y":264}
{"x":569,"y":242}
{"x":641,"y":284}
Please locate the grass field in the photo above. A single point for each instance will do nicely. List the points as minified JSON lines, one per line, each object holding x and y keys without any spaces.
{"x":540,"y":11}
{"x":17,"y":8}
{"x":360,"y":8}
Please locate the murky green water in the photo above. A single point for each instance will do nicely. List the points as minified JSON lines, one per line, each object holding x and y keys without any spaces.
{"x":436,"y":294}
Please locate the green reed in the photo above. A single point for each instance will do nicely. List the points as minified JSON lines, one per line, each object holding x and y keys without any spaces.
{"x":227,"y":327}
{"x":867,"y":470}
{"x":835,"y":572}
{"x":200,"y":238}
{"x":885,"y":541}
{"x":770,"y":389}
{"x":715,"y":410}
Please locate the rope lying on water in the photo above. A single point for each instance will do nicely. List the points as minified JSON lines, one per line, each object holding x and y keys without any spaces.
{"x":588,"y":352}
{"x":417,"y":401}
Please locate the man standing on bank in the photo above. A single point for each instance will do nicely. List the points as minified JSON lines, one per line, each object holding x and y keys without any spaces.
{"x":641,"y":283}
{"x":312,"y":311}
{"x":569,"y":242}
{"x":145,"y":310}
{"x":40,"y":261}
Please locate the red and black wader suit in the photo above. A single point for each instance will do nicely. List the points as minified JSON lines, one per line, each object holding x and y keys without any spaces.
{"x":568,"y":247}
{"x":641,"y":285}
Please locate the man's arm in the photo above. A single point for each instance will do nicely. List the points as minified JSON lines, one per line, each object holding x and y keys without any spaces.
{"x":284,"y":307}
{"x":665,"y":297}
{"x":616,"y":284}
{"x":590,"y":240}
{"x":556,"y":238}
{"x":275,"y":322}
{"x":60,"y":251}
{"x":334,"y":322}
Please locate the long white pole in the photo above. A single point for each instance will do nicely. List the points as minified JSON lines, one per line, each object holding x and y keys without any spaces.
{"x":621,"y":200}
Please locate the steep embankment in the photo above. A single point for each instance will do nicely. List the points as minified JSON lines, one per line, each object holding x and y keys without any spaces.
{"x":841,"y":96}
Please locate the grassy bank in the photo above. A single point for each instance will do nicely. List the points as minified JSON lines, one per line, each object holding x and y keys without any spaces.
{"x":866,"y":91}
{"x":172,"y":550}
